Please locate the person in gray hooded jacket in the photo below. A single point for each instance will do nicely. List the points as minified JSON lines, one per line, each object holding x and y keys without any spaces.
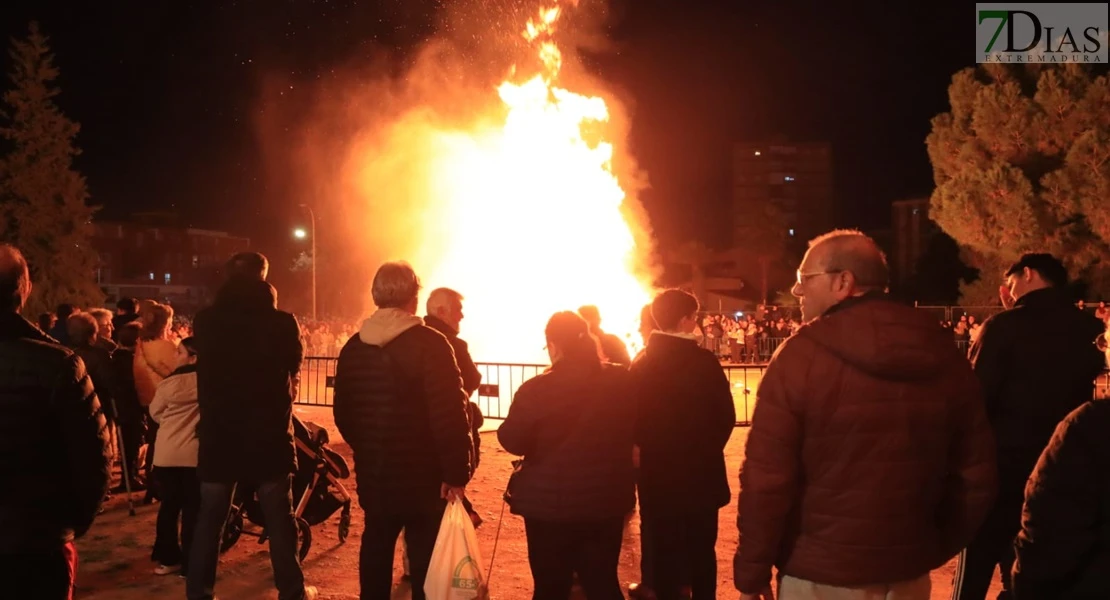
{"x":399,"y":402}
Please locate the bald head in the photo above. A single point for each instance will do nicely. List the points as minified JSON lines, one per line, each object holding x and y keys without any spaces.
{"x":15,"y":279}
{"x":851,"y":251}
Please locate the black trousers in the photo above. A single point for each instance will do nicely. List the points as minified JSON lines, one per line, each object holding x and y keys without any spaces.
{"x":180,"y":490}
{"x":379,"y":543}
{"x":556,"y":551}
{"x":688,"y":540}
{"x":40,"y":574}
{"x":992,"y":548}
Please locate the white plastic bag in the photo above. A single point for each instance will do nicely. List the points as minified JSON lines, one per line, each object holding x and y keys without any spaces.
{"x":456,"y":571}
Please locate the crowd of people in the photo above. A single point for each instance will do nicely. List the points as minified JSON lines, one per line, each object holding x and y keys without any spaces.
{"x":876,"y":453}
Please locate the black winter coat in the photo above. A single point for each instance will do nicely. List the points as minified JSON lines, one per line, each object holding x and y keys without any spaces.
{"x":98,"y":363}
{"x":1037,"y":363}
{"x":686,"y":416}
{"x":574,"y":426}
{"x":1063,"y":550}
{"x":248,"y":356}
{"x":471,"y":379}
{"x":402,"y":409}
{"x":127,"y":397}
{"x":54,"y":445}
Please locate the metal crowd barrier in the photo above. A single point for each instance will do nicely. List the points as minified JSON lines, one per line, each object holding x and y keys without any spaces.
{"x":500,"y":381}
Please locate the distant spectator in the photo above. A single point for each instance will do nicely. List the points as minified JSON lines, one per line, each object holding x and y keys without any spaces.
{"x":1037,"y":362}
{"x":127,"y":311}
{"x":131,"y":416}
{"x":613,"y":349}
{"x":59,"y":331}
{"x":55,"y":449}
{"x":46,"y":322}
{"x":104,"y":329}
{"x":1102,"y":313}
{"x":82,"y":330}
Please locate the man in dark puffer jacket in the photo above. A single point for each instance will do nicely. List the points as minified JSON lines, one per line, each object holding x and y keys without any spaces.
{"x":400,"y":404}
{"x":53,"y":449}
{"x":870,"y":461}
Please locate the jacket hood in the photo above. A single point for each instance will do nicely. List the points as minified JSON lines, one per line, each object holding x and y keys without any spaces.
{"x":883,"y":338}
{"x":247,"y":294}
{"x":385,"y":325}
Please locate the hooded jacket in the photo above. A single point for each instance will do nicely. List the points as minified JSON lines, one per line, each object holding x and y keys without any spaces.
{"x":248,"y":356}
{"x":870,"y":459}
{"x":399,"y":403}
{"x":54,"y":450}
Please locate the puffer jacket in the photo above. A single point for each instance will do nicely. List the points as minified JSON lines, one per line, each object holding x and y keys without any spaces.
{"x":54,"y":449}
{"x":177,"y":413}
{"x":399,"y":403}
{"x":1063,"y":550}
{"x":574,"y":426}
{"x":870,"y":459}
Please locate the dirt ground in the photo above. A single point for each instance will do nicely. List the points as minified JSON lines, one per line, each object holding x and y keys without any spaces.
{"x":115,"y":555}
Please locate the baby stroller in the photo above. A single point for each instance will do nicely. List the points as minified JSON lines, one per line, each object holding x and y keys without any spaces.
{"x":317,"y":492}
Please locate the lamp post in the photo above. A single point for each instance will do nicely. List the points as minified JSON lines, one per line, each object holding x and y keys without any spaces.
{"x":300,"y":234}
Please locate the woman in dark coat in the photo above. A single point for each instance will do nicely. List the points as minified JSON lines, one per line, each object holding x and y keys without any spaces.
{"x":574,"y":427}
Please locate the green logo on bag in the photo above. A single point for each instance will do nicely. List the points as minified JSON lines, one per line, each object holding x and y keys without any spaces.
{"x":472,"y":581}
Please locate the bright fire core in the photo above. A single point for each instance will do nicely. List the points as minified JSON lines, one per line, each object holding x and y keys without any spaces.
{"x":528,"y":218}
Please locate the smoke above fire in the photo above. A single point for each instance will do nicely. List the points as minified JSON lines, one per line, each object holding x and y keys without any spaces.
{"x":494,"y":164}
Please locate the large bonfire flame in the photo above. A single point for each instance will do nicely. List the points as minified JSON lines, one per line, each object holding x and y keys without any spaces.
{"x":529,"y":217}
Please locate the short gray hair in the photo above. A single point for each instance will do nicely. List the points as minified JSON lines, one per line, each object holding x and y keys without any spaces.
{"x":441,"y":299}
{"x":82,"y":328}
{"x":395,"y":285}
{"x":851,"y":250}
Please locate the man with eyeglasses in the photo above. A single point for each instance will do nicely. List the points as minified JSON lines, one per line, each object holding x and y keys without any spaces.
{"x":1037,"y":362}
{"x":870,"y":460}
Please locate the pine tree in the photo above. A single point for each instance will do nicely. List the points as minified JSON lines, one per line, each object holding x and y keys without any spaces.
{"x":1022,"y":164}
{"x":43,"y":207}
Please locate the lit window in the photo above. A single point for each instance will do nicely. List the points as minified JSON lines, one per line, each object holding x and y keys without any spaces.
{"x":152,"y":275}
{"x":758,"y":153}
{"x":916,"y":210}
{"x":196,"y":261}
{"x":167,"y":278}
{"x":788,"y":178}
{"x":791,"y":233}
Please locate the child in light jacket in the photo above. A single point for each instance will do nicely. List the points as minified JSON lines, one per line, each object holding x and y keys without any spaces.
{"x":176,"y":411}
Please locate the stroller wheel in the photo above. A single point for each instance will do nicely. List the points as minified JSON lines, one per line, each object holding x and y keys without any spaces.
{"x":344,"y":524}
{"x":232,"y":530}
{"x":304,"y":535}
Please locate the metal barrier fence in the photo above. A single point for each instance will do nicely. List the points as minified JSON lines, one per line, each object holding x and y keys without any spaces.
{"x":500,"y":381}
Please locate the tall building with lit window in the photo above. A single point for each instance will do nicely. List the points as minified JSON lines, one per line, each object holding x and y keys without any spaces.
{"x":912,"y":230}
{"x":796,"y":176}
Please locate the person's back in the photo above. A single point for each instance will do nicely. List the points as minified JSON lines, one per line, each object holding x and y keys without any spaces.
{"x":1063,"y":550}
{"x":686,"y":417}
{"x":1038,"y":362}
{"x":250,"y":354}
{"x":54,"y":450}
{"x":574,"y":427}
{"x":880,"y":403}
{"x":382,"y":409}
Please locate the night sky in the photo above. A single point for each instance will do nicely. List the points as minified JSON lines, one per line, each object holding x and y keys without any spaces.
{"x":170,"y":95}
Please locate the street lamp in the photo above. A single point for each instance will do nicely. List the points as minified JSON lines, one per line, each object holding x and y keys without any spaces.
{"x":300,"y":234}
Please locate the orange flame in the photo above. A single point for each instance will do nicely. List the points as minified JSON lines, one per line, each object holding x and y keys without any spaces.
{"x":527,"y":219}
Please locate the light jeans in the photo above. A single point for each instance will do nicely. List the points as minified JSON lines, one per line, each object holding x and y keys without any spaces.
{"x":793,"y":588}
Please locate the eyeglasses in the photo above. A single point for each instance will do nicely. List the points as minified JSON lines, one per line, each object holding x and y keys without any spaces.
{"x":803,"y":277}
